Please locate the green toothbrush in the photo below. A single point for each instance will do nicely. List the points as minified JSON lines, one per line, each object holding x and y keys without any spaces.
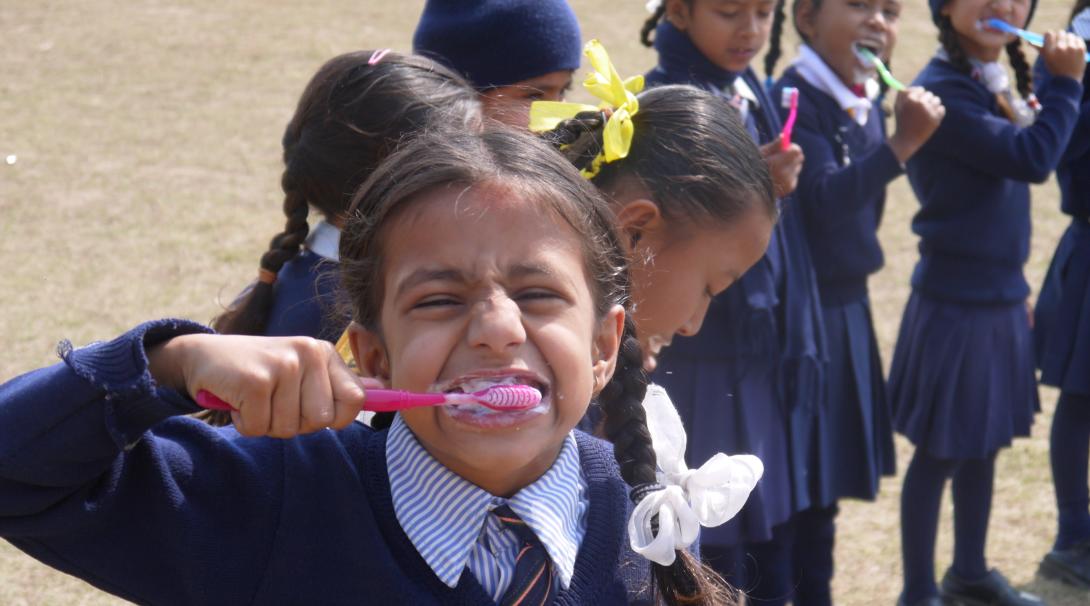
{"x":866,"y":55}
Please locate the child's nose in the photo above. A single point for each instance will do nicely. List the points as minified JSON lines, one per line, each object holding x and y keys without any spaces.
{"x":692,"y":327}
{"x":496,"y":324}
{"x":877,"y":19}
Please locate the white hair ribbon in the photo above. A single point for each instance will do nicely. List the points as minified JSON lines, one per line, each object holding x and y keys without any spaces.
{"x":691,"y":498}
{"x":653,"y":5}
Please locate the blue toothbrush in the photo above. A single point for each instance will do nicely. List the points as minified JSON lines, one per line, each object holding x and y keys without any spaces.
{"x":1035,"y":39}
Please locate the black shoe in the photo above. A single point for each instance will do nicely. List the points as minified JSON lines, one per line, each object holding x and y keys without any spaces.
{"x":1071,"y":565}
{"x":992,"y":590}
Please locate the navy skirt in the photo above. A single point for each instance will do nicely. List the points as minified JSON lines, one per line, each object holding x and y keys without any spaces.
{"x":729,"y":405}
{"x":1062,"y":319}
{"x":963,"y":383}
{"x":851,"y":435}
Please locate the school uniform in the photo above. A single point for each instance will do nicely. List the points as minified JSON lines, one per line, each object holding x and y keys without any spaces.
{"x":102,"y":478}
{"x":1061,"y":334}
{"x":758,"y":358}
{"x":305,"y":291}
{"x":842,"y":194}
{"x":962,"y":381}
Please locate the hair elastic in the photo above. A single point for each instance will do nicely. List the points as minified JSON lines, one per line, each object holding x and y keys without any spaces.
{"x":265,"y":276}
{"x":377,"y":56}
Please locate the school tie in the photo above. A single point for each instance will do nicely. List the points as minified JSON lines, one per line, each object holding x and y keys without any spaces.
{"x":533,"y":583}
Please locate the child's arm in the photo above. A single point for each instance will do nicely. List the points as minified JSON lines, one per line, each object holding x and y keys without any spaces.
{"x":161,"y":516}
{"x":993,"y":145}
{"x":834,"y":187}
{"x":1079,"y":144}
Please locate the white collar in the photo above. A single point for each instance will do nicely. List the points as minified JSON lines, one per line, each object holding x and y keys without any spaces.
{"x":814,"y":70}
{"x":1081,"y":24}
{"x":324,"y":240}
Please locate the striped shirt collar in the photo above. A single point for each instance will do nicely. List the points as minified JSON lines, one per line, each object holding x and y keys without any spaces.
{"x":443,"y":514}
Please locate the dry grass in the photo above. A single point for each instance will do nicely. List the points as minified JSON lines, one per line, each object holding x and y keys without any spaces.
{"x":147,"y":134}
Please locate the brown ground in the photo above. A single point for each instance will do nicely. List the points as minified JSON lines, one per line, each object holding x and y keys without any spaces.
{"x":147,"y":142}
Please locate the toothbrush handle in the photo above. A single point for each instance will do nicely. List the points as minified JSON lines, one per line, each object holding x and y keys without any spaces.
{"x":377,"y":400}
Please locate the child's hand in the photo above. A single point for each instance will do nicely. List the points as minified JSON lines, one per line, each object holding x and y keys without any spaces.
{"x":1064,"y":54}
{"x":784,"y":164}
{"x":918,"y":114}
{"x":279,"y":387}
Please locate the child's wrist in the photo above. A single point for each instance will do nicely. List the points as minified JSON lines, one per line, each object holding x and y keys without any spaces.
{"x":902,"y":150}
{"x":164,"y":362}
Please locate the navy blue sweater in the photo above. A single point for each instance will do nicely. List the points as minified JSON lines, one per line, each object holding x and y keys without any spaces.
{"x":1073,"y":172}
{"x":304,"y":300}
{"x":972,"y":179}
{"x":842,"y":188}
{"x":101,"y":479}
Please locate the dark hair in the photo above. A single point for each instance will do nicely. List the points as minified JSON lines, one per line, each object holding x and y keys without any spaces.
{"x":773,"y":54}
{"x":519,"y":161}
{"x":349,"y":117}
{"x":689,"y":149}
{"x":652,"y":22}
{"x":1023,"y":76}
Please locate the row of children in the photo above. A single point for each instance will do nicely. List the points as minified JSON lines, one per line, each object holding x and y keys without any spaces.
{"x":785,"y":366}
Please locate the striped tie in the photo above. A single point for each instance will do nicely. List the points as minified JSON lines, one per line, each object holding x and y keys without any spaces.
{"x":533,"y":583}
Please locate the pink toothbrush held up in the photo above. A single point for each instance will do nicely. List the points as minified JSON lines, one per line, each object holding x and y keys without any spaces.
{"x":503,"y":398}
{"x":789,"y":98}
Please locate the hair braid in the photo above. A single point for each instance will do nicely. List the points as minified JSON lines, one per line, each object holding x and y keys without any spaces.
{"x":579,"y":138}
{"x":949,"y":40}
{"x":773,"y":54}
{"x":1023,"y":76}
{"x":651,"y":23}
{"x":686,"y":581}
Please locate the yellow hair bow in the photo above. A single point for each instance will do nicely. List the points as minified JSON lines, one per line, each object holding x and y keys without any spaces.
{"x":616,"y":94}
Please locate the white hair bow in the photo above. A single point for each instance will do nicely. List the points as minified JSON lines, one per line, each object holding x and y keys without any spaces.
{"x":691,"y":498}
{"x":653,"y":5}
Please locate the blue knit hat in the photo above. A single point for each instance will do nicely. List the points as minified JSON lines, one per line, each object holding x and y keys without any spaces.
{"x":936,"y":6}
{"x":500,"y":42}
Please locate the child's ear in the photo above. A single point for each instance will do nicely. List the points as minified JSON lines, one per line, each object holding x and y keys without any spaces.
{"x":369,"y":352}
{"x":638,"y":217}
{"x":804,"y":18}
{"x":677,"y":13}
{"x":607,"y":343}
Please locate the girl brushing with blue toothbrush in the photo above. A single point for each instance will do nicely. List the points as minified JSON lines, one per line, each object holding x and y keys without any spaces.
{"x":758,"y":359}
{"x":962,"y":382}
{"x":841,"y":194}
{"x":1062,"y":335}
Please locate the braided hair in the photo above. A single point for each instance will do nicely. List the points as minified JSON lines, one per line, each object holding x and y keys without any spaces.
{"x":651,"y":23}
{"x":436,"y":160}
{"x":1023,"y":74}
{"x":773,"y":54}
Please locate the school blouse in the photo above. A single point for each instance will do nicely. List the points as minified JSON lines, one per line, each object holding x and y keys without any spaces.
{"x":100,"y":478}
{"x":972,"y":180}
{"x":449,"y":522}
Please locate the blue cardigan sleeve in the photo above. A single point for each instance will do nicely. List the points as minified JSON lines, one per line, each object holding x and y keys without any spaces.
{"x":834,"y":188}
{"x":991,"y":144}
{"x":1079,"y":143}
{"x":150,"y":515}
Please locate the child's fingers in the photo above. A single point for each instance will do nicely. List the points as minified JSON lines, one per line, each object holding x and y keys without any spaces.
{"x":317,"y":400}
{"x":253,"y":408}
{"x":285,"y":401}
{"x":347,"y":391}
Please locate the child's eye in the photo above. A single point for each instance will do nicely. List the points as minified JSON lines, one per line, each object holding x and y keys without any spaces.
{"x":726,"y":15}
{"x":436,"y":302}
{"x":891,"y":14}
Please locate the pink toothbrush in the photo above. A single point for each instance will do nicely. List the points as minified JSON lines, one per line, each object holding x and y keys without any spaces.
{"x":789,"y":97}
{"x":496,"y":397}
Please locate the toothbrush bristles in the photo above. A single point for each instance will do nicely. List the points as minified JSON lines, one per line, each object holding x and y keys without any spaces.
{"x":509,"y":396}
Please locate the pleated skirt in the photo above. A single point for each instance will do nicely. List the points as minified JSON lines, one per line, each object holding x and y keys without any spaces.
{"x":1062,"y":319}
{"x":851,"y":434}
{"x":962,"y":383}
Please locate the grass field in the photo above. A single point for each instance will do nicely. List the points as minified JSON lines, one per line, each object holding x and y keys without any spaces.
{"x":146,"y":136}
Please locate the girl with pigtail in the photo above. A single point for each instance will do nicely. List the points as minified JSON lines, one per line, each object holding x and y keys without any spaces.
{"x":962,"y":381}
{"x":1061,"y":331}
{"x":759,"y":362}
{"x":352,"y":113}
{"x":153,"y":506}
{"x":841,"y":197}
